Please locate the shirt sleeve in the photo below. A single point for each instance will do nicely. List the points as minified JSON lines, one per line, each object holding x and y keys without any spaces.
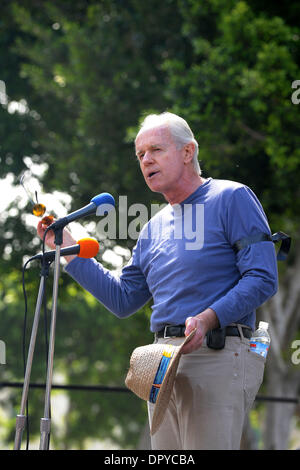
{"x":123,"y":295}
{"x":256,"y":262}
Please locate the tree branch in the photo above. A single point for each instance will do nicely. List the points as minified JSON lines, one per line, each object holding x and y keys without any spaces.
{"x":275,"y":340}
{"x":254,"y":134}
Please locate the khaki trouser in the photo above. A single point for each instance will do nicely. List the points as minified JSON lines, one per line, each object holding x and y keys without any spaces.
{"x":213,"y":391}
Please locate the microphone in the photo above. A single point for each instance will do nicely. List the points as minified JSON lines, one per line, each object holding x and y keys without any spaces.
{"x":85,"y":248}
{"x":100,"y":204}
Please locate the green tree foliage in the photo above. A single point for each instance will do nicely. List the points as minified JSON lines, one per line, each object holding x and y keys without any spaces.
{"x":90,"y":80}
{"x":236,"y":92}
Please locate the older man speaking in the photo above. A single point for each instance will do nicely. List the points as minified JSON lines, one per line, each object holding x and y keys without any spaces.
{"x":202,"y":283}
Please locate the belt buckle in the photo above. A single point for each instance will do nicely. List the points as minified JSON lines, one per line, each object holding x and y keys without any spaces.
{"x":165,"y":336}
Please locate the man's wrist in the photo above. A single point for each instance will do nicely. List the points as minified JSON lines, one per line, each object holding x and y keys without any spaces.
{"x":208,"y":319}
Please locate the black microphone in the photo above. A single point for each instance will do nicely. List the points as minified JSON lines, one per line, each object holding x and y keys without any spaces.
{"x":85,"y":248}
{"x":99,"y":204}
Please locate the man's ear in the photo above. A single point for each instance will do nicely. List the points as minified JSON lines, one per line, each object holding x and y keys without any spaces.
{"x":189,"y":150}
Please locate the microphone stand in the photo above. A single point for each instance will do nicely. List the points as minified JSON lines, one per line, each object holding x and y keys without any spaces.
{"x":45,"y":424}
{"x":21,"y":418}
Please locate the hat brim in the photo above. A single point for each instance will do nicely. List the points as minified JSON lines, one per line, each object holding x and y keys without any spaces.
{"x":166,"y":388}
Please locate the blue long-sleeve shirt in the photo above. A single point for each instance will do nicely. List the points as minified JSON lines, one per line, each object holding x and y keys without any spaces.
{"x":184,"y":259}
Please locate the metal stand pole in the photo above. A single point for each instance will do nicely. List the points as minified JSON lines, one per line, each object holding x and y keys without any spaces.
{"x":46,"y":420}
{"x":21,"y":418}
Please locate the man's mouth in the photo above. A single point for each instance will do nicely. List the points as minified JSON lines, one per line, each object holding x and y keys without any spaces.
{"x":152,"y":173}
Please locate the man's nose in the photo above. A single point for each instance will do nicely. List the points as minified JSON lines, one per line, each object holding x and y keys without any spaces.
{"x":147,"y":158}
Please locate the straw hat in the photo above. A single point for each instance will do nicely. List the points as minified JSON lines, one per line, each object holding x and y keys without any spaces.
{"x":152,"y":373}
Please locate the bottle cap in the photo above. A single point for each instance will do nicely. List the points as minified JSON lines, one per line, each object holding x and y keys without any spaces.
{"x":263,"y":324}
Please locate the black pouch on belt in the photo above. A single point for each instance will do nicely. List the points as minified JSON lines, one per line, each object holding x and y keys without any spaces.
{"x":215,"y":339}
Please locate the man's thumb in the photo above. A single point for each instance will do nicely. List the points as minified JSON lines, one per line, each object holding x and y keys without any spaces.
{"x":190,"y":325}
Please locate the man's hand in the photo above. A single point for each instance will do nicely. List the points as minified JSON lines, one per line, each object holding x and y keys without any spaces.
{"x":68,"y":240}
{"x":203,"y":322}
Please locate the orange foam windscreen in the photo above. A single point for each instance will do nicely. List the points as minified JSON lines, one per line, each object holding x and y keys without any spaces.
{"x":89,"y":247}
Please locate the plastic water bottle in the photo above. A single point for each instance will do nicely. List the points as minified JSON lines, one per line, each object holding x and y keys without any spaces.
{"x":260,"y":340}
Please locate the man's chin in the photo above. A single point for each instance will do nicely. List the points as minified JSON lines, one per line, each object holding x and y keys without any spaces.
{"x":154,"y":187}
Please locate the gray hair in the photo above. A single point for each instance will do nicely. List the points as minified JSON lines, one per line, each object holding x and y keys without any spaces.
{"x":179,"y":129}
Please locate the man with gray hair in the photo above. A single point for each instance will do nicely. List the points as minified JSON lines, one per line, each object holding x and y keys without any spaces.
{"x":212,"y":287}
{"x":179,"y":129}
